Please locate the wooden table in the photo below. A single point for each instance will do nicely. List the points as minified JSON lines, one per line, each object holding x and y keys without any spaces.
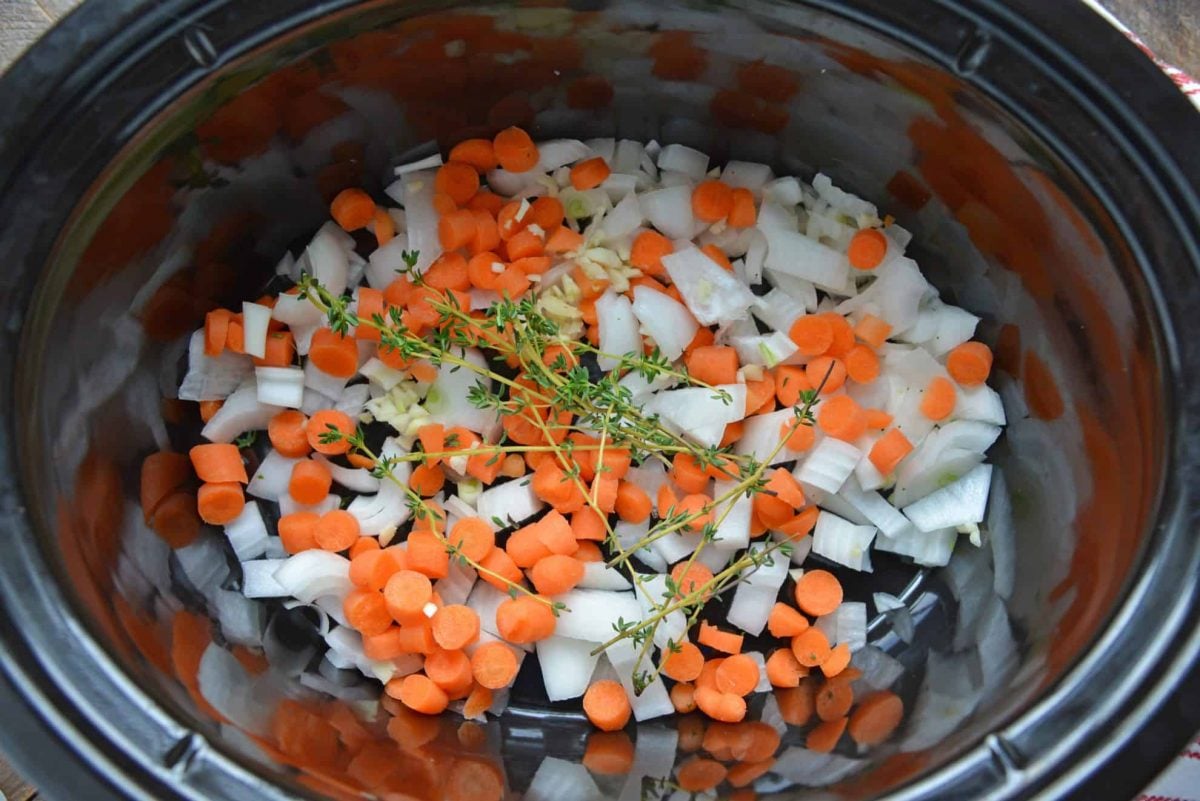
{"x":1169,"y":27}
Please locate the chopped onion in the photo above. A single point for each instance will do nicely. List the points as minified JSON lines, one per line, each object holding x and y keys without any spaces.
{"x":684,"y":159}
{"x":795,"y":254}
{"x":663,"y":319}
{"x":599,"y":576}
{"x":247,"y":533}
{"x":591,"y":614}
{"x":556,"y":153}
{"x":841,"y":541}
{"x":700,"y":413}
{"x":422,"y":217}
{"x":279,"y":387}
{"x":256,"y":318}
{"x":258,"y":579}
{"x":653,"y":702}
{"x":829,"y":464}
{"x":512,"y":503}
{"x":240,"y":413}
{"x":270,"y":480}
{"x":746,"y":175}
{"x":846,"y":624}
{"x":566,"y":666}
{"x":670,"y":210}
{"x":314,"y":574}
{"x":448,"y":401}
{"x":956,"y":504}
{"x":618,"y":329}
{"x":328,"y":258}
{"x":712,"y":295}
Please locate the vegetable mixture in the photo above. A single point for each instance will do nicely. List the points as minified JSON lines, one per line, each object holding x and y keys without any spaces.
{"x":601,"y":402}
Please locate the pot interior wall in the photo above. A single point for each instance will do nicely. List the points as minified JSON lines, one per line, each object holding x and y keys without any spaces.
{"x":221,"y":183}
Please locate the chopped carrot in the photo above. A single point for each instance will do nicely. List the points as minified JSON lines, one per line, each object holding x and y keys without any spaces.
{"x":371,"y":305}
{"x":515,"y":151}
{"x":209,"y":408}
{"x":367,"y":612}
{"x":876,"y":717}
{"x":385,"y":227}
{"x":499,"y":570}
{"x":742,"y":213}
{"x":587,"y":525}
{"x":218,"y":461}
{"x":790,"y":382}
{"x":872,"y":330}
{"x":840,"y":417}
{"x":785,"y":622}
{"x":834,"y":699}
{"x":690,"y":578}
{"x":797,"y":704}
{"x":556,"y":574}
{"x":838,"y":661}
{"x":683,"y":698}
{"x":298,"y":531}
{"x":479,"y":153}
{"x":824,"y":737}
{"x":406,"y":594}
{"x":687,"y":473}
{"x":867,"y":249}
{"x":713,"y":364}
{"x":419,"y":694}
{"x":455,"y":626}
{"x":772,"y":511}
{"x":547,"y":213}
{"x":647,"y":251}
{"x":699,"y":775}
{"x":494,"y":665}
{"x":563,"y":240}
{"x":813,"y":334}
{"x":938,"y":401}
{"x":487,"y":233}
{"x":478,"y":702}
{"x":877,"y":418}
{"x":216,"y":331}
{"x":457,"y":179}
{"x":862,"y":365}
{"x":456,"y":229}
{"x":524,"y":620}
{"x":333,"y":353}
{"x":970,"y":363}
{"x":372,"y":569}
{"x":523,"y":244}
{"x":843,"y":335}
{"x":606,"y":705}
{"x":717,"y":255}
{"x":362,"y":545}
{"x":433,"y":440}
{"x":733,"y":432}
{"x":448,"y":271}
{"x":799,"y":435}
{"x":336,"y":531}
{"x":473,"y":538}
{"x":799,"y":526}
{"x":280,"y":350}
{"x":426,"y":554}
{"x":176,"y":519}
{"x":784,"y":670}
{"x":590,"y":173}
{"x":811,"y":647}
{"x":352,"y":209}
{"x":723,"y":641}
{"x":603,"y":492}
{"x":588,"y":552}
{"x":785,"y":487}
{"x":321,"y":426}
{"x":310,"y":482}
{"x":162,"y":473}
{"x":889,"y":450}
{"x":725,"y":707}
{"x":417,"y":638}
{"x":220,"y":502}
{"x":738,"y":675}
{"x":826,"y":372}
{"x":427,"y":480}
{"x":818,"y":592}
{"x":760,"y":395}
{"x":712,"y":200}
{"x":683,"y":664}
{"x":554,"y":531}
{"x":632,"y":503}
{"x":609,"y":753}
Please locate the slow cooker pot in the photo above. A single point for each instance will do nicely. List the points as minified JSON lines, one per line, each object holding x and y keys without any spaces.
{"x":156,"y":160}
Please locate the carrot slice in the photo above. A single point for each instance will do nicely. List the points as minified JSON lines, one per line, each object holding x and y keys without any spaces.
{"x":298,"y":531}
{"x":811,"y":647}
{"x":742,"y":213}
{"x":713,"y":364}
{"x":723,"y":641}
{"x":218,"y":462}
{"x":818,"y":592}
{"x":406,"y":594}
{"x":219,"y":503}
{"x":842,"y":418}
{"x":352,"y":209}
{"x":838,"y":661}
{"x":889,"y":450}
{"x":450,"y":670}
{"x":457,"y":179}
{"x":473,"y":537}
{"x":556,"y":574}
{"x":590,"y":173}
{"x":797,"y":704}
{"x":494,"y":665}
{"x":683,"y":664}
{"x":632,"y":503}
{"x":867,"y":249}
{"x":683,"y":697}
{"x":336,"y":531}
{"x":784,"y":621}
{"x":812,"y":334}
{"x":872,"y":330}
{"x":784,"y":670}
{"x":970,"y":363}
{"x":524,"y":620}
{"x":725,"y":707}
{"x":606,"y":705}
{"x":426,"y":554}
{"x":479,"y":153}
{"x":419,"y":693}
{"x":515,"y":150}
{"x":310,"y":482}
{"x":647,"y":251}
{"x":367,"y":612}
{"x":320,"y":426}
{"x":876,"y":717}
{"x":834,"y":699}
{"x":862,"y":365}
{"x":738,"y":675}
{"x":712,"y":200}
{"x":938,"y":400}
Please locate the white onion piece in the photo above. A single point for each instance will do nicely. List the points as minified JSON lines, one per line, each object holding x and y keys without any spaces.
{"x":356,"y":479}
{"x":839,"y":540}
{"x":599,"y":576}
{"x":896,"y":294}
{"x":695,"y":410}
{"x":255,"y":320}
{"x":212,"y":377}
{"x":755,"y":595}
{"x":279,"y":386}
{"x":654,"y":702}
{"x":422,"y":217}
{"x":320,"y":381}
{"x":712,"y":295}
{"x":512,"y":502}
{"x":957,"y":504}
{"x":795,"y":254}
{"x":247,"y":533}
{"x":846,"y":624}
{"x":872,"y":506}
{"x":675,"y":546}
{"x":447,"y":400}
{"x":767,"y":350}
{"x":556,"y":153}
{"x":785,"y":191}
{"x":590,"y":614}
{"x":566,"y":666}
{"x":270,"y":480}
{"x":932,"y":549}
{"x":258,"y":579}
{"x":665,"y":320}
{"x":761,"y":433}
{"x":684,"y":159}
{"x":427,"y":163}
{"x":384,"y":262}
{"x":240,"y":413}
{"x":625,"y":218}
{"x":293,"y":310}
{"x":733,"y":532}
{"x":829,"y":464}
{"x":777,"y":309}
{"x":328,"y":258}
{"x":628,"y":156}
{"x":746,"y":175}
{"x":289,"y":505}
{"x":314,"y":574}
{"x":618,"y":329}
{"x":670,"y":210}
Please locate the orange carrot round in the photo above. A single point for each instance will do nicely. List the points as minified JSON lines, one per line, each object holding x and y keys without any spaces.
{"x":970,"y":364}
{"x":458,"y":180}
{"x":838,"y":661}
{"x":298,"y":531}
{"x":556,"y":574}
{"x":449,"y":271}
{"x":683,"y":664}
{"x":420,"y":694}
{"x":712,"y":200}
{"x":829,"y":370}
{"x":784,"y":670}
{"x":221,"y":502}
{"x":818,"y":592}
{"x":742,"y":213}
{"x":647,"y":251}
{"x":862,"y":365}
{"x":322,"y":423}
{"x":406,"y":594}
{"x":450,"y":669}
{"x":524,"y":619}
{"x":938,"y":401}
{"x":812,"y":333}
{"x":889,"y":450}
{"x":336,"y":531}
{"x":738,"y":675}
{"x":367,"y":612}
{"x":725,"y":707}
{"x":456,"y":229}
{"x":352,"y":209}
{"x":632,"y":503}
{"x":840,"y":417}
{"x":515,"y":150}
{"x":607,"y":706}
{"x":784,"y":621}
{"x":689,"y":578}
{"x":811,"y":647}
{"x":479,"y":153}
{"x":333,"y":353}
{"x":872,"y":330}
{"x":310,"y":482}
{"x":494,"y":665}
{"x":590,"y":173}
{"x":876,"y":717}
{"x":867,"y":249}
{"x":683,"y":698}
{"x":473,"y":537}
{"x":217,"y":461}
{"x":455,"y":626}
{"x":288,"y":434}
{"x":713,"y":364}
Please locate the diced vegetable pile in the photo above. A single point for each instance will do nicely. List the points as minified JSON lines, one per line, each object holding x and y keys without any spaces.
{"x":598,"y":402}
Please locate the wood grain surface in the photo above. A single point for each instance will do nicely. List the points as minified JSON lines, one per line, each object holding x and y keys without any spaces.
{"x":1170,"y":27}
